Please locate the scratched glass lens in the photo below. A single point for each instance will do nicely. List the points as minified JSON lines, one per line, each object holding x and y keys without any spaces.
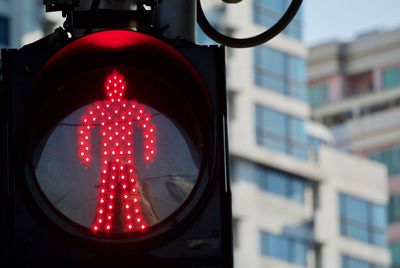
{"x":116,"y":166}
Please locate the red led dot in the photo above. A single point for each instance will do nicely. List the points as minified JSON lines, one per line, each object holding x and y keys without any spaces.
{"x":101,"y":200}
{"x":130,"y":226}
{"x":110,"y":206}
{"x":143,"y":227}
{"x":137,"y":210}
{"x":108,"y":227}
{"x":100,"y":220}
{"x":109,"y":217}
{"x":135,"y":200}
{"x":126,"y":206}
{"x":128,"y":217}
{"x":147,"y":158}
{"x":138,"y":219}
{"x":103,"y":191}
{"x":134,"y":190}
{"x":111,"y":196}
{"x":125,"y":196}
{"x":112,"y":186}
{"x":95,"y":228}
{"x":124,"y":186}
{"x":101,"y":211}
{"x":87,"y":159}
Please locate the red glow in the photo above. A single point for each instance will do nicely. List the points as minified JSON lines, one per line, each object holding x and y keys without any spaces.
{"x":116,"y":116}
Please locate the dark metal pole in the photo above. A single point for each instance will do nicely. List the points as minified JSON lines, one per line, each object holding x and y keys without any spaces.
{"x":180,"y":15}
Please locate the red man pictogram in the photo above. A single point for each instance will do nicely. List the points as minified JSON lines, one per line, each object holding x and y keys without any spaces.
{"x":119,"y":206}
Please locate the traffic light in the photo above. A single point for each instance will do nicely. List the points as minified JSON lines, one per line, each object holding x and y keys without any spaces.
{"x":115,"y":152}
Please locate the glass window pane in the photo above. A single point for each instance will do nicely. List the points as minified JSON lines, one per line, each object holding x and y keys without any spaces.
{"x":358,"y":232}
{"x":297,"y":191}
{"x":379,"y":217}
{"x":297,"y":130}
{"x":357,"y":210}
{"x":379,"y":237}
{"x":391,"y":77}
{"x":273,"y":60}
{"x":277,"y":183}
{"x":300,"y":250}
{"x":395,"y":252}
{"x":297,"y":68}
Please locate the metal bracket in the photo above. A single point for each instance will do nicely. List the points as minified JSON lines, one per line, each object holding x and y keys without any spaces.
{"x":142,"y":18}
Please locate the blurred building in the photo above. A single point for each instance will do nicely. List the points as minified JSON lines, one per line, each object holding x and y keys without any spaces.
{"x":297,"y":202}
{"x":355,"y":91}
{"x":24,"y":21}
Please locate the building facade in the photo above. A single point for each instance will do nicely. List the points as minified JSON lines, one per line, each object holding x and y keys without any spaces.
{"x":296,"y":201}
{"x":355,"y":91}
{"x":293,"y":197}
{"x":24,"y":21}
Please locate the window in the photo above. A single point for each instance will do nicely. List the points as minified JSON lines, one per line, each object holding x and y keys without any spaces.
{"x":281,"y":132}
{"x":395,"y":252}
{"x":4,"y":31}
{"x":394,"y":208}
{"x":362,"y":220}
{"x":280,"y":72}
{"x":318,"y":94}
{"x":350,"y":262}
{"x":391,"y":77}
{"x":273,"y":181}
{"x":285,"y":248}
{"x":268,"y":12}
{"x":389,"y":157}
{"x":291,"y":187}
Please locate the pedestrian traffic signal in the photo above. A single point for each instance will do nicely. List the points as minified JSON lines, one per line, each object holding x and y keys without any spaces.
{"x":116,"y":152}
